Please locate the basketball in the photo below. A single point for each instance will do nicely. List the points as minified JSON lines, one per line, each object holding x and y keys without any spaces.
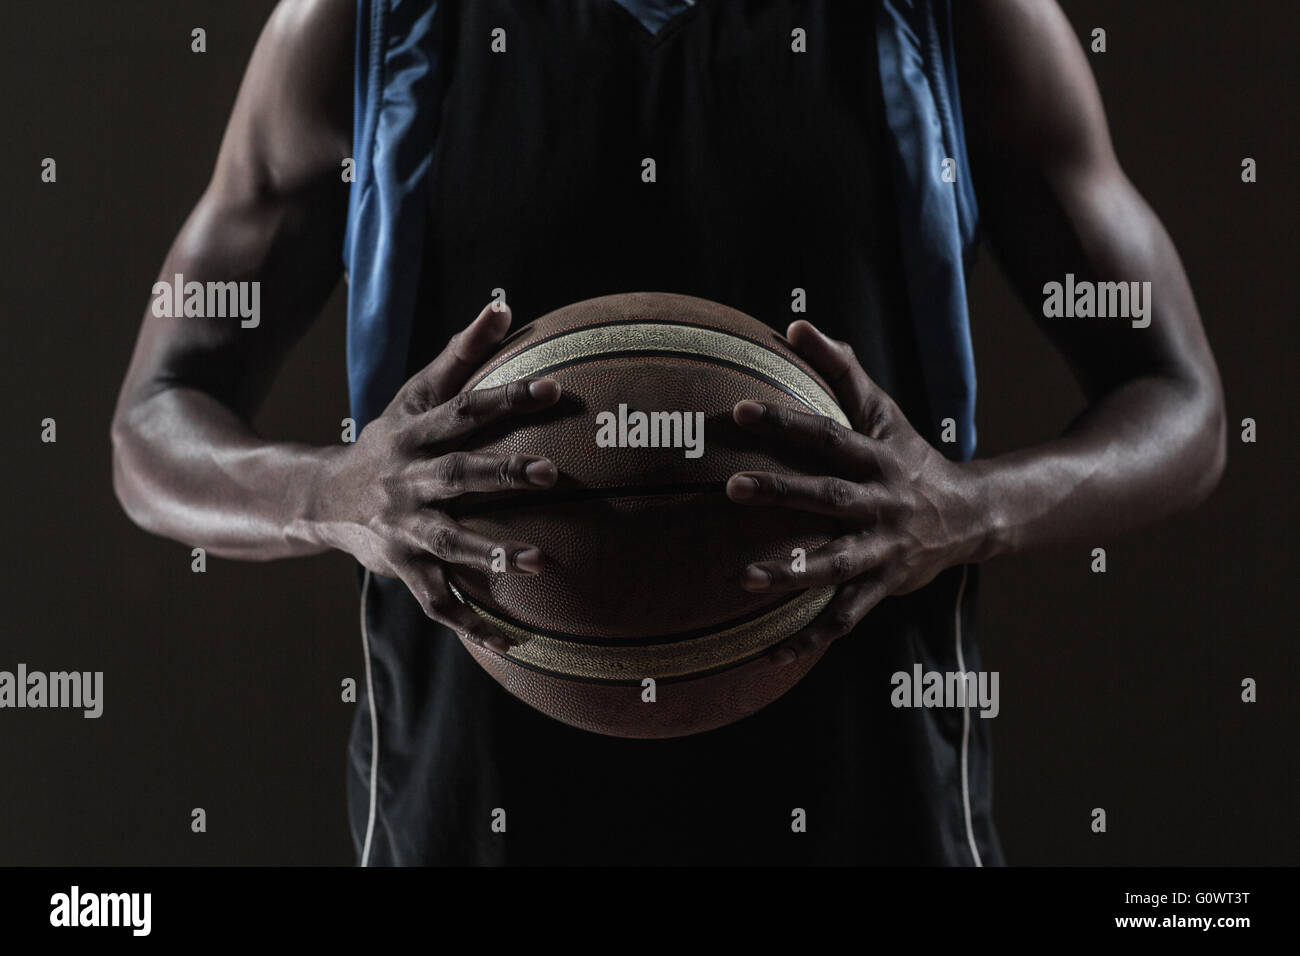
{"x":638,"y":626}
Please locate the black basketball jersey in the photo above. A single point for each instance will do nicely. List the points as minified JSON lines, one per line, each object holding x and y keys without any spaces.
{"x":578,"y":154}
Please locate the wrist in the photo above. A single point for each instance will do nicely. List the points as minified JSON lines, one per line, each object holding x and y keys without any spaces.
{"x":311,"y":520}
{"x":984,"y":533}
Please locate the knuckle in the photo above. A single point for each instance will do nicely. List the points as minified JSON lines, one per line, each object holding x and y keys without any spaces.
{"x":510,"y":472}
{"x":873,"y":490}
{"x":414,"y":398}
{"x":391,"y":553}
{"x":830,"y":434}
{"x":902,"y":510}
{"x":841,"y":621}
{"x":508,"y":469}
{"x":837,"y":493}
{"x":449,"y":470}
{"x":431,"y":602}
{"x":810,"y":642}
{"x":514,"y":394}
{"x":392,"y":497}
{"x":397,"y":437}
{"x":875,"y":418}
{"x":780,"y":415}
{"x":461,"y":407}
{"x":475,"y":630}
{"x":841,"y":567}
{"x":442,"y":541}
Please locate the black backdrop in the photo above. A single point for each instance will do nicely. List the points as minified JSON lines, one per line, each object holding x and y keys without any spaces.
{"x":223,"y":690}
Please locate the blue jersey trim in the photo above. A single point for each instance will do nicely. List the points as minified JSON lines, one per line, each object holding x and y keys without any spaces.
{"x":937,"y":218}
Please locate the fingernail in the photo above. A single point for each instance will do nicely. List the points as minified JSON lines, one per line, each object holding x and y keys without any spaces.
{"x":498,"y":644}
{"x":756,"y":579}
{"x":540,"y":473}
{"x":749,"y":412}
{"x":742,"y":487}
{"x":530,"y":560}
{"x":543,"y":388}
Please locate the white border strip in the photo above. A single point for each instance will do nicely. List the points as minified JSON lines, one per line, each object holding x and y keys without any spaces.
{"x":965,"y":725}
{"x":374,"y":725}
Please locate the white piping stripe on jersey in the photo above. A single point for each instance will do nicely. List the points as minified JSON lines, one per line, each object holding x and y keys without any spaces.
{"x":374,"y":725}
{"x":965,"y":726}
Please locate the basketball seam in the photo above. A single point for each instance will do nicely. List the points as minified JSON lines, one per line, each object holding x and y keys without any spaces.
{"x":692,"y":342}
{"x":683,"y":358}
{"x":480,"y":599}
{"x":789,"y":354}
{"x":752,"y":632}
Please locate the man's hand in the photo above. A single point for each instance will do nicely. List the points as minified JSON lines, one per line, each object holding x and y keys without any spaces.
{"x":381,"y":500}
{"x":907,"y":507}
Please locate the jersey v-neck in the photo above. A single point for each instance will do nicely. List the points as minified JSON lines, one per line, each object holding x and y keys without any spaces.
{"x":658,"y":19}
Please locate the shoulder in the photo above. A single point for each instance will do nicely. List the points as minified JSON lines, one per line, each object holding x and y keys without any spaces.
{"x":1028,"y":92}
{"x":292,"y":120}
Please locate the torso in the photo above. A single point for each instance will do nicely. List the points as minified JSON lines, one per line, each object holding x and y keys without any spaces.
{"x":770,"y":171}
{"x":771,"y":177}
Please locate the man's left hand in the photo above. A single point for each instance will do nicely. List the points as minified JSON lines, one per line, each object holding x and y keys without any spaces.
{"x":908,"y":511}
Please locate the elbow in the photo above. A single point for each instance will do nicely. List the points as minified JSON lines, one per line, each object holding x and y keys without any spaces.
{"x":125,"y":442}
{"x":1210,"y":445}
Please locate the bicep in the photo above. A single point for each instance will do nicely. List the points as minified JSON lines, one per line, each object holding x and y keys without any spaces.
{"x":1054,"y":200}
{"x":273,"y":214}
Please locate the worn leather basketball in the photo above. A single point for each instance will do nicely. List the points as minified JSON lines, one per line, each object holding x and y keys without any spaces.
{"x":645,"y":553}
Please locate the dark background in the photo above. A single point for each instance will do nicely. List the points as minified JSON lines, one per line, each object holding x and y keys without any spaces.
{"x":222,"y":690}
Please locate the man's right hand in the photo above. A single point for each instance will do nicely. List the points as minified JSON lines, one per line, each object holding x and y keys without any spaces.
{"x":187,"y":462}
{"x":382,"y":499}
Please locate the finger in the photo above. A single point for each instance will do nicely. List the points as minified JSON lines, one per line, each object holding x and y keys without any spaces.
{"x":850,"y":500}
{"x":840,"y":446}
{"x":871,"y":411}
{"x":849,"y":606}
{"x":438,"y":535}
{"x":450,"y":370}
{"x":835,"y":563}
{"x":466,"y":411}
{"x":427,"y":582}
{"x":461,"y":472}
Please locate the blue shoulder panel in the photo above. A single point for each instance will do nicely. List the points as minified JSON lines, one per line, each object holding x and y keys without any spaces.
{"x":394,"y":119}
{"x":937,"y":218}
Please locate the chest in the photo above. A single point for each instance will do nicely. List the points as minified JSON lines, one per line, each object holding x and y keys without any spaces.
{"x":552,"y":110}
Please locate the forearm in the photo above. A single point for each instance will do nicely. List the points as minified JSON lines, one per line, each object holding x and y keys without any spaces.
{"x":186,"y":467}
{"x":1151,"y":447}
